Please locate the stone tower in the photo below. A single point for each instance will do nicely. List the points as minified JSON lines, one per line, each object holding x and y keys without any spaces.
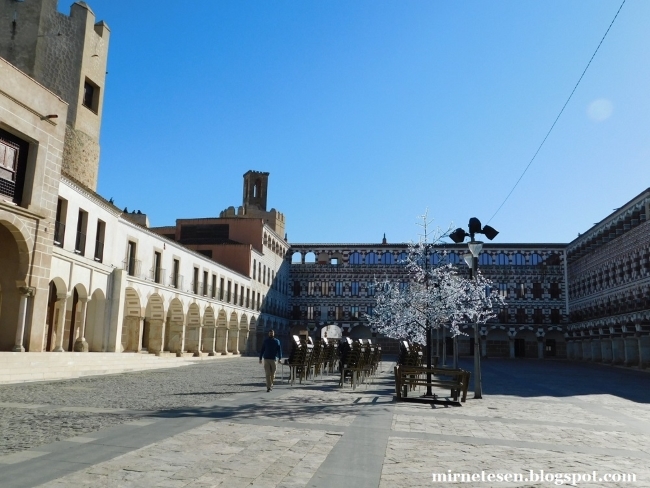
{"x":66,"y":54}
{"x":255,"y":189}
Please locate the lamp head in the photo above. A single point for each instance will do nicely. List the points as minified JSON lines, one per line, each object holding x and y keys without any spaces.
{"x":468,"y":259}
{"x":490,"y":232}
{"x":458,"y":235}
{"x":474,"y":226}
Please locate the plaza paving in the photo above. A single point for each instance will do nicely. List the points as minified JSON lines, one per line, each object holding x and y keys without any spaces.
{"x":214,"y":424}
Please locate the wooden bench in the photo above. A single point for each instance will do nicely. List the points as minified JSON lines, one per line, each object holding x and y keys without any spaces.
{"x":408,"y":377}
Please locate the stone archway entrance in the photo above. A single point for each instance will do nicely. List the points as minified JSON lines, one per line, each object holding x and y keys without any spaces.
{"x":11,"y":272}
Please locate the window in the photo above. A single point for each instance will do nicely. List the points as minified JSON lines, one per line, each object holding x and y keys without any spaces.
{"x":518,"y":259}
{"x":259,"y":271}
{"x":536,"y":259}
{"x":99,"y":241}
{"x":370,"y":310}
{"x":453,"y":258}
{"x":537,"y":290}
{"x":80,"y":241}
{"x":435,"y":259}
{"x":402,"y":258}
{"x":555,"y":316}
{"x":205,"y":284}
{"x":248,"y":298}
{"x":195,"y":281}
{"x":555,"y":290}
{"x":157,"y":258}
{"x":228,"y":295}
{"x":338,"y":312}
{"x":296,"y":288}
{"x":355,"y":258}
{"x":502,"y":259}
{"x":403,"y":286}
{"x":130,"y":259}
{"x":311,"y":287}
{"x":214,"y":286}
{"x":241,"y":296}
{"x":485,"y":259}
{"x":521,"y":290}
{"x":503,"y":290}
{"x":371,"y":258}
{"x":221,"y":290}
{"x":387,"y":258}
{"x":338,"y":288}
{"x":354,"y":288}
{"x":13,"y":165}
{"x":334,"y":261}
{"x":59,"y":223}
{"x":370,"y":289}
{"x":234,"y":295}
{"x":538,"y":316}
{"x":91,"y":96}
{"x":503,"y":316}
{"x":295,"y":313}
{"x":310,"y":312}
{"x":175,"y":280}
{"x":354,"y":312}
{"x":324,"y":291}
{"x":521,"y":316}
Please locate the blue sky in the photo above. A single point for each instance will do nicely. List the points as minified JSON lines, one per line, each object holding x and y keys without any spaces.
{"x":366,"y":113}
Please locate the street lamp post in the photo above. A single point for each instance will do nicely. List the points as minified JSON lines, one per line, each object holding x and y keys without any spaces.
{"x":471,"y":259}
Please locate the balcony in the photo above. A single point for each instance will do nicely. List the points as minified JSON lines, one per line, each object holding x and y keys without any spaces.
{"x":132,"y":267}
{"x":176,"y":281}
{"x":156,"y":275}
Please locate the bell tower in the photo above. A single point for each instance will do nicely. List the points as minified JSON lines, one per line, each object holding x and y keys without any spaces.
{"x":255,"y":189}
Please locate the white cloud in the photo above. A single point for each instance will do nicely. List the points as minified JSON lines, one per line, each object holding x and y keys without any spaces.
{"x":600,"y":109}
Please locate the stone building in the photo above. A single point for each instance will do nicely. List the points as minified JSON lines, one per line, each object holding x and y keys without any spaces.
{"x":68,"y":55}
{"x":32,"y":131}
{"x":609,"y":288}
{"x":334,"y":284}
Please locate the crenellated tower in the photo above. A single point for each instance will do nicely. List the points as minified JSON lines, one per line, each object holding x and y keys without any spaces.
{"x":67,"y":54}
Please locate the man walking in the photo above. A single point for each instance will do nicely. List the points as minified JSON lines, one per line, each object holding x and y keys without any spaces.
{"x":271,"y":352}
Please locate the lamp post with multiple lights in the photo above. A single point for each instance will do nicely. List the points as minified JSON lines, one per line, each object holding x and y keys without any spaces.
{"x":471,"y":259}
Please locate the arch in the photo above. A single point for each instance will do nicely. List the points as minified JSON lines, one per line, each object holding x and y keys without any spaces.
{"x":153,"y":327}
{"x":243,"y":334}
{"x":360,"y":332}
{"x":453,"y":258}
{"x":387,"y":258}
{"x":233,"y":334}
{"x":95,"y":311}
{"x":222,"y":333}
{"x":518,"y":259}
{"x":485,"y":259}
{"x":131,"y":323}
{"x":296,"y":257}
{"x":310,"y":258}
{"x":354,"y":258}
{"x":536,"y":259}
{"x":55,"y":315}
{"x":174,"y":328}
{"x":502,"y":259}
{"x":193,"y":332}
{"x":10,"y":236}
{"x":434,"y":259}
{"x":402,"y":258}
{"x":76,"y":307}
{"x":371,"y":258}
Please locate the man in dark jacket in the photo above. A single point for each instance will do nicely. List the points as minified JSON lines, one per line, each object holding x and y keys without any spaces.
{"x":271,"y":352}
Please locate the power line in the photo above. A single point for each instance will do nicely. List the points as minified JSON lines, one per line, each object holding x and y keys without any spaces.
{"x":558,"y":115}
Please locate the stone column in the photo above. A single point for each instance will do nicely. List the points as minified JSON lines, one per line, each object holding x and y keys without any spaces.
{"x":233,"y":341}
{"x":644,"y":350}
{"x":193,"y":339}
{"x":25,"y":293}
{"x":631,"y":346}
{"x":176,"y":337}
{"x":210,"y":340}
{"x":596,"y":354}
{"x":618,"y":354}
{"x":540,"y":347}
{"x":81,"y":345}
{"x":243,"y":341}
{"x":253,"y":342}
{"x":606,"y":350}
{"x":222,"y":340}
{"x":156,"y":334}
{"x":61,"y":302}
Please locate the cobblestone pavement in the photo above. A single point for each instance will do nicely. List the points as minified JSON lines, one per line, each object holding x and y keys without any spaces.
{"x":32,"y":414}
{"x":209,"y":431}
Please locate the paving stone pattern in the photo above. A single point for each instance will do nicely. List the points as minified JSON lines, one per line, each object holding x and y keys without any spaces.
{"x":213,"y":424}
